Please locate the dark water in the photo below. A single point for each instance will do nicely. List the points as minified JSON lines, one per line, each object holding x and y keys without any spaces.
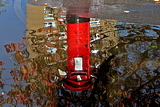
{"x":125,"y":60}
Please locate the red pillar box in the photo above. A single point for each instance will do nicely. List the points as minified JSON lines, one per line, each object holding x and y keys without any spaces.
{"x":78,"y":39}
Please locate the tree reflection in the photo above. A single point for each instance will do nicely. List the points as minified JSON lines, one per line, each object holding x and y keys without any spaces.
{"x":36,"y":79}
{"x":2,"y":4}
{"x":136,"y":68}
{"x":38,"y":60}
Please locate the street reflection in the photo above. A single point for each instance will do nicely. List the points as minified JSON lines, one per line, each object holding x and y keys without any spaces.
{"x":137,"y":11}
{"x":124,"y":59}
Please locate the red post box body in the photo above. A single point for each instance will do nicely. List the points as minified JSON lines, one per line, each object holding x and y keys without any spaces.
{"x":78,"y":40}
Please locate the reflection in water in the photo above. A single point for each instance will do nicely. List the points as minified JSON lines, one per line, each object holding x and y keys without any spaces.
{"x":2,"y":4}
{"x":136,"y":68}
{"x":124,"y":58}
{"x":138,"y":11}
{"x":38,"y":59}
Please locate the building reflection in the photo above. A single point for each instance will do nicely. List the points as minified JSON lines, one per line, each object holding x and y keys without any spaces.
{"x":39,"y":58}
{"x":102,"y":32}
{"x":47,"y":38}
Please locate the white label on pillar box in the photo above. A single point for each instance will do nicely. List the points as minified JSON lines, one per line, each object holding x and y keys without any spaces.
{"x":78,"y":63}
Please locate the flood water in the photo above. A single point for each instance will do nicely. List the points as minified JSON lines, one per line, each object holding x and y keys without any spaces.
{"x":125,"y":60}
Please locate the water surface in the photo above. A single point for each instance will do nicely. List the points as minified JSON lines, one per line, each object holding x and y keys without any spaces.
{"x":124,"y":59}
